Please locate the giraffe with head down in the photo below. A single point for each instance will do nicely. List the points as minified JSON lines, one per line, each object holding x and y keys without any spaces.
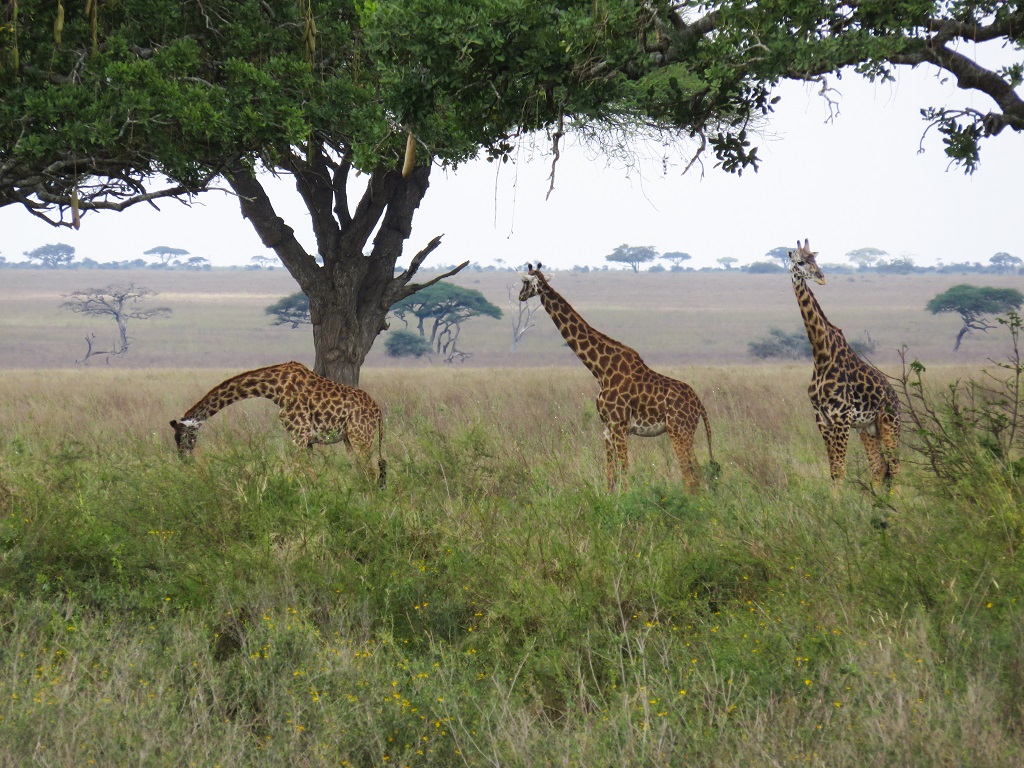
{"x":313,"y":410}
{"x":634,"y":399}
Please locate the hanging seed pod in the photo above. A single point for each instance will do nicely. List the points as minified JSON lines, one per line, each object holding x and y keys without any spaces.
{"x":58,"y":24}
{"x":76,"y":219}
{"x":410,"y":156}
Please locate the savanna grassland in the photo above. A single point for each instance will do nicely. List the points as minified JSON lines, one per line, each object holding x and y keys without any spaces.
{"x":258,"y":605}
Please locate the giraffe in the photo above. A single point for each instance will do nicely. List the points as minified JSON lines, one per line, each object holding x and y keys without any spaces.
{"x":634,"y":399}
{"x":313,"y":410}
{"x":846,"y":392}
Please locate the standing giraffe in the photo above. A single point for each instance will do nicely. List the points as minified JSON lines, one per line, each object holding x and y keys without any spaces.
{"x":634,"y":399}
{"x":846,"y":392}
{"x":313,"y":410}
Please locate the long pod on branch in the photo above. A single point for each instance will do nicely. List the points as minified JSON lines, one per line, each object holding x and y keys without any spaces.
{"x":410,"y":155}
{"x":58,"y":24}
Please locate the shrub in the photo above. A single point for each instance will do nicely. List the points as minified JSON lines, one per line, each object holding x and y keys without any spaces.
{"x":406,"y":344}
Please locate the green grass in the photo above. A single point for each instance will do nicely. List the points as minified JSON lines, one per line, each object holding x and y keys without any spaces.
{"x":494,"y":606}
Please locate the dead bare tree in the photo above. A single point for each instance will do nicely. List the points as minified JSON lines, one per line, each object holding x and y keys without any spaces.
{"x":119,"y":302}
{"x":521,"y":314}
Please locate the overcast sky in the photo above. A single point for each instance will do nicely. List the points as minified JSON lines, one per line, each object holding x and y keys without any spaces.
{"x":854,"y":182}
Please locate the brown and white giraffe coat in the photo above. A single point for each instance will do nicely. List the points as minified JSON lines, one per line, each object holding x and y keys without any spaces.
{"x":313,"y":410}
{"x":634,"y":399}
{"x":846,"y":392}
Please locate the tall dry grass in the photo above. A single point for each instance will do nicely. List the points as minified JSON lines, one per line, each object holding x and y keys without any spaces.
{"x":493,"y":606}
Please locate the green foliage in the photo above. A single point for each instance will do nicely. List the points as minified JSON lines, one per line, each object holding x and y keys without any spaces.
{"x":973,"y":300}
{"x":403,"y":343}
{"x":971,"y":434}
{"x":290,"y":310}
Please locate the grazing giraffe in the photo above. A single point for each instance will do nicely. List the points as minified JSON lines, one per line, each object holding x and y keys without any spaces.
{"x":634,"y":399}
{"x":313,"y":410}
{"x":846,"y":392}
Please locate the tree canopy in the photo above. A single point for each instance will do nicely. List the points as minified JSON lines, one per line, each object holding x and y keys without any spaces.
{"x":440,"y":310}
{"x":143,"y":99}
{"x":150,"y":98}
{"x":974,"y":303}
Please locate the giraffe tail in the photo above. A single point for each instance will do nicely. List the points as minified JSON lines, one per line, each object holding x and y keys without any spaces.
{"x":382,"y":465}
{"x":714,"y":468}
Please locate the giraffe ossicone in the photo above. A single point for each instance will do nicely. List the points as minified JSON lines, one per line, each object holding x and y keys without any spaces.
{"x":846,"y":391}
{"x":634,"y":399}
{"x":314,"y":409}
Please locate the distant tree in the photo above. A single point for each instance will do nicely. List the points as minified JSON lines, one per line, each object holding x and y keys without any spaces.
{"x":443,"y":308}
{"x":676,"y":257}
{"x":865,"y":257}
{"x":633,"y":255}
{"x":779,"y":253}
{"x":403,"y":343}
{"x":291,"y":310}
{"x":164,"y":254}
{"x":120,"y":302}
{"x":764,"y":268}
{"x":262,"y":262}
{"x":197,"y":263}
{"x":52,"y":256}
{"x":1004,"y":262}
{"x":727,"y":261}
{"x":900,"y":266}
{"x":974,"y":303}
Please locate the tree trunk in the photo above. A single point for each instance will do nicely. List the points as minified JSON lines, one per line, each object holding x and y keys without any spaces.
{"x":351,"y":293}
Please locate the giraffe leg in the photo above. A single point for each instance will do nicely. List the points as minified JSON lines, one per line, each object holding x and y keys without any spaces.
{"x":876,"y":458}
{"x":889,"y":434}
{"x":837,"y":437}
{"x":359,"y":442}
{"x":682,"y":444}
{"x":616,"y":454}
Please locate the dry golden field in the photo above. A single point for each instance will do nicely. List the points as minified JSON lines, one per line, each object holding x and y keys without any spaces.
{"x":672,"y":319}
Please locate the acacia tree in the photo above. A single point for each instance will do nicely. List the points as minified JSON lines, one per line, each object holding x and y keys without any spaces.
{"x":94,"y":109}
{"x":1005,"y":262}
{"x":865,"y":257}
{"x":290,"y":310}
{"x":164,"y":254}
{"x":52,"y":256}
{"x":439,"y":310}
{"x":633,"y":255}
{"x":677,"y":258}
{"x":119,"y":302}
{"x":974,"y":303}
{"x":779,"y":253}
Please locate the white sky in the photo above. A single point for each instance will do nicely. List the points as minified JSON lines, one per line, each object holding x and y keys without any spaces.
{"x":854,"y":182}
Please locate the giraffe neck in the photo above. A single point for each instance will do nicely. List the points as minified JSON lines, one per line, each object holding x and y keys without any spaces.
{"x":270,"y":383}
{"x":592,"y":347}
{"x":826,"y":339}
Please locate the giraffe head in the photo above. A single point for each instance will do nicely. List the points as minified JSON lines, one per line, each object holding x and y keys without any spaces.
{"x":185,"y":433}
{"x":802,"y":263}
{"x":531,"y":282}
